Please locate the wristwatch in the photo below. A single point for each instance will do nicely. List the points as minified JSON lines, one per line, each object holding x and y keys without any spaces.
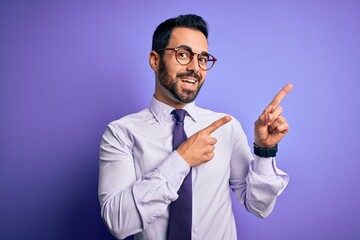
{"x":265,"y":152}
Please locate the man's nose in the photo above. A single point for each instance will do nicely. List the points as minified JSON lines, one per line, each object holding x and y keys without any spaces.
{"x":194,"y":65}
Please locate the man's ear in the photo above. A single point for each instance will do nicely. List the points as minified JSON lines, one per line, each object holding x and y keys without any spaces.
{"x":154,"y":60}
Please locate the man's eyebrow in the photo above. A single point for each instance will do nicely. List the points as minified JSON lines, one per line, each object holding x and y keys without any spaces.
{"x":189,"y":48}
{"x":184,"y":46}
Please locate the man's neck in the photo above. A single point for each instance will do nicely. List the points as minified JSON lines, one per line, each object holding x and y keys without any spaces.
{"x":172,"y":103}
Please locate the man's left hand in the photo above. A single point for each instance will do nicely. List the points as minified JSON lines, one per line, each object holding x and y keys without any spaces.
{"x":271,"y":126}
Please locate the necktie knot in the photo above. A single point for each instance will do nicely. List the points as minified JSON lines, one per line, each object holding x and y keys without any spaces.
{"x":179,"y":114}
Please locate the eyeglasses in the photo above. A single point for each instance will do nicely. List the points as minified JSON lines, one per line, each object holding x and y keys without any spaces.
{"x":185,"y":55}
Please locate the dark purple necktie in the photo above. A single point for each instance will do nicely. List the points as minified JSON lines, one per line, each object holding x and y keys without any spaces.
{"x":181,"y":209}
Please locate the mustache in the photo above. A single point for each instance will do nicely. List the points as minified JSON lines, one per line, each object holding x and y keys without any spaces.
{"x":189,"y":74}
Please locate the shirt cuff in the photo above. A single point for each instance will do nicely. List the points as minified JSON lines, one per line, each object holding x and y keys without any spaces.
{"x":264,"y":166}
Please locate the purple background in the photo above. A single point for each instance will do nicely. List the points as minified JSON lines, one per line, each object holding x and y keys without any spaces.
{"x":68,"y":68}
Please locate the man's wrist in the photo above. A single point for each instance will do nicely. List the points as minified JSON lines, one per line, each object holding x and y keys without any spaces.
{"x":264,"y":151}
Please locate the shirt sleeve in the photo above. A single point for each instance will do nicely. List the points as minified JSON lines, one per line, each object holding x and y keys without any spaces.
{"x":130,"y":205}
{"x":257,"y":181}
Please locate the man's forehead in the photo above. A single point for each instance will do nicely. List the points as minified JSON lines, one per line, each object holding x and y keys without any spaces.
{"x":190,"y":37}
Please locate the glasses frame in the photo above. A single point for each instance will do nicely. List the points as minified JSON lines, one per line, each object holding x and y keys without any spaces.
{"x":213,"y":60}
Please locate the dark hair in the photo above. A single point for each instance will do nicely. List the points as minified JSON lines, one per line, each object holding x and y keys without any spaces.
{"x":163,"y":32}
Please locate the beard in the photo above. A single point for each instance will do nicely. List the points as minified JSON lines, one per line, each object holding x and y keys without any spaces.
{"x":169,"y":83}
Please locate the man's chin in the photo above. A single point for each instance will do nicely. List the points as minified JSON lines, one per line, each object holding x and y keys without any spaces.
{"x":187,"y":99}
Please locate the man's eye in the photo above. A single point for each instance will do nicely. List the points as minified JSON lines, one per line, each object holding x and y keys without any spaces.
{"x":183,"y":54}
{"x":204,"y":59}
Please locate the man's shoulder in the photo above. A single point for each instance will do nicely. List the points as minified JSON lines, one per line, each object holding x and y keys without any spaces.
{"x":204,"y":112}
{"x":211,"y":116}
{"x":132,"y":118}
{"x":208,"y":113}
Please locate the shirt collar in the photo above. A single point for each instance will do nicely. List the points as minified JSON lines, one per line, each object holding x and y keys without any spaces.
{"x":162,"y":111}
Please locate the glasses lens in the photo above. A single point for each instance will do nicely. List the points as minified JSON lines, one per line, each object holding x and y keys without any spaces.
{"x":206,"y":61}
{"x":183,"y":56}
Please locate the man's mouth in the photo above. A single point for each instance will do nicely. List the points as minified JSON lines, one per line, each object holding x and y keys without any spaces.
{"x":187,"y":80}
{"x":189,"y":76}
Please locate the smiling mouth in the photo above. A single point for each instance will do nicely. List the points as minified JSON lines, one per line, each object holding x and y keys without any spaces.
{"x":190,"y":81}
{"x":189,"y":78}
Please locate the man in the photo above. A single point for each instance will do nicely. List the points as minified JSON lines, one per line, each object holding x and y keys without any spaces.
{"x":142,"y":174}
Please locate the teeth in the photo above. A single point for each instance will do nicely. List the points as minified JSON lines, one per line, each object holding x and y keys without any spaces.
{"x":189,"y":81}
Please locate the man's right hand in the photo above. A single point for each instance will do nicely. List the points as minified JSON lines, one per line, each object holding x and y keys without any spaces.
{"x":199,"y":148}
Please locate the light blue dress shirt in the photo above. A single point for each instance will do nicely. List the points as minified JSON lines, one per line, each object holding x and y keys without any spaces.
{"x":140,"y":175}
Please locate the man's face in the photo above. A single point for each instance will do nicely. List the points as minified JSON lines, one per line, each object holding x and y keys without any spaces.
{"x":179,"y":84}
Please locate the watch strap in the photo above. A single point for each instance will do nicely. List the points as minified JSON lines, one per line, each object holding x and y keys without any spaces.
{"x":265,"y":152}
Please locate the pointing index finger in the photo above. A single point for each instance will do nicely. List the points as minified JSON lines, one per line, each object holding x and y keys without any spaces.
{"x":217,"y":124}
{"x":279,"y":97}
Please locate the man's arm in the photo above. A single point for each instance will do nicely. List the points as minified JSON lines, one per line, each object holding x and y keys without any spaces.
{"x":264,"y":181}
{"x":130,"y":205}
{"x":257,"y":181}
